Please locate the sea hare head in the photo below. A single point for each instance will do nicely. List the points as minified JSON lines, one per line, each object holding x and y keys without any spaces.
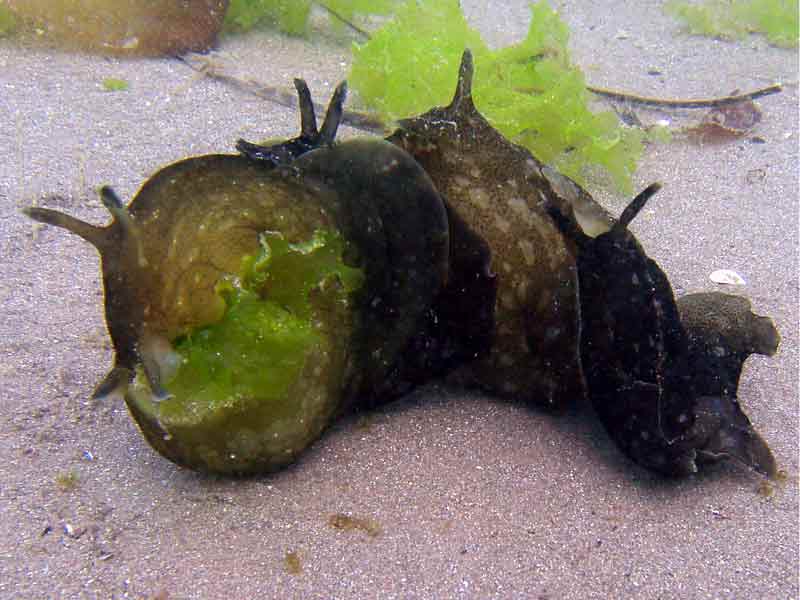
{"x":248,"y":303}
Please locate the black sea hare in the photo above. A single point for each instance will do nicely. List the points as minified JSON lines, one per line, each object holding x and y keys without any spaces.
{"x":251,"y":298}
{"x":666,"y":397}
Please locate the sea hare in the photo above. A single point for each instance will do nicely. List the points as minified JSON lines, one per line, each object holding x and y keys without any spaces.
{"x":248,"y":304}
{"x":500,"y":190}
{"x":666,"y":397}
{"x":250,"y":298}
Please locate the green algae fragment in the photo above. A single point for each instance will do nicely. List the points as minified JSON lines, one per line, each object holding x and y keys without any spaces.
{"x":256,"y":351}
{"x":251,"y":357}
{"x":530,"y":91}
{"x":291,"y":16}
{"x":8,"y":22}
{"x":293,"y":563}
{"x":112,"y":84}
{"x":286,"y":272}
{"x":67,"y":481}
{"x":345,"y":522}
{"x":777,"y":19}
{"x":411,"y":64}
{"x":349,"y":9}
{"x":659,"y":134}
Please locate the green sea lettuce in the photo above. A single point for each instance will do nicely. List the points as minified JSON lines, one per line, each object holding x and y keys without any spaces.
{"x":257,"y":350}
{"x":291,"y":16}
{"x":777,"y":19}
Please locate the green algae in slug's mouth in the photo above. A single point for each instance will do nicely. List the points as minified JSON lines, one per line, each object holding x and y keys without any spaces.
{"x":248,"y":361}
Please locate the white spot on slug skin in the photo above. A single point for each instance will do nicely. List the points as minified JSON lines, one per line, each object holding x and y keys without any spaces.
{"x":531,"y":168}
{"x":520,"y":207}
{"x":390,"y":166}
{"x":479,"y":198}
{"x":542,"y":198}
{"x":192,"y":255}
{"x":553,"y":333}
{"x":460,"y":181}
{"x":528,"y":253}
{"x":502,"y":224}
{"x":521,"y":290}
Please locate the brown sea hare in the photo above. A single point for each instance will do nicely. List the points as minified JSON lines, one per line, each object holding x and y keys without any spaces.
{"x":580,"y":306}
{"x":248,"y":303}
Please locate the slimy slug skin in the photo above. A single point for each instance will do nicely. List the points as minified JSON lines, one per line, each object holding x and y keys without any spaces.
{"x":663,"y":375}
{"x":499,"y":190}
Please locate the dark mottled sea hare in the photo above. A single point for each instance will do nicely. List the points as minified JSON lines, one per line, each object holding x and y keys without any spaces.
{"x":251,"y":298}
{"x":250,"y":301}
{"x":499,"y":190}
{"x":663,"y":375}
{"x":580,"y":306}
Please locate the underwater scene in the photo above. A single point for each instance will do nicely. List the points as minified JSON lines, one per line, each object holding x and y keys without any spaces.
{"x":418,"y":299}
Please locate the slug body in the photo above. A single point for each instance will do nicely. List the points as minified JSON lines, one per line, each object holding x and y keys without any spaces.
{"x":666,"y":397}
{"x":344,"y":250}
{"x":580,"y":307}
{"x":499,"y":190}
{"x":250,"y":298}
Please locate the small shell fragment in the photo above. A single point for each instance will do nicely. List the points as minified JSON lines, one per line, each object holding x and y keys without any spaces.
{"x":726,"y":277}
